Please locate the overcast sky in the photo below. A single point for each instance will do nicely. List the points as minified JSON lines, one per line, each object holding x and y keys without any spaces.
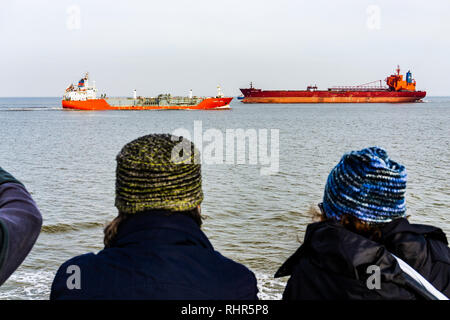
{"x":173,"y":45}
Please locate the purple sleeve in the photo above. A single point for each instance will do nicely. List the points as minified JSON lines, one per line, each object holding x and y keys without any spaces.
{"x":20,"y":225}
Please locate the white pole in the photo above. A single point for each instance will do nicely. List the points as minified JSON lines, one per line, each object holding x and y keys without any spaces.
{"x":219,"y":92}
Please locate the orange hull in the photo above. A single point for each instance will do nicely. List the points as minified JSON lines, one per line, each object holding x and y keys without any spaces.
{"x":102,"y":104}
{"x":328,"y":99}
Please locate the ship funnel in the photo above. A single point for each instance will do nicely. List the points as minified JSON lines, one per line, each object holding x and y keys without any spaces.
{"x":190,"y":94}
{"x":134,"y":94}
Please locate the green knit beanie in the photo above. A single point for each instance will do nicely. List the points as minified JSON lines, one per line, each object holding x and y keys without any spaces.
{"x":158,"y":171}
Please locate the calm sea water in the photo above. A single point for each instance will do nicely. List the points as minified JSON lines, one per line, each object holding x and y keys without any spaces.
{"x":67,"y":161}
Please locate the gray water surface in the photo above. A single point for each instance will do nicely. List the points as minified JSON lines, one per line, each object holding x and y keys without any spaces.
{"x":66,"y":159}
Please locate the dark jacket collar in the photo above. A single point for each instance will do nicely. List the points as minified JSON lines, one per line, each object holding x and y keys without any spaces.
{"x":340,"y":250}
{"x":403,"y":226}
{"x":336,"y":249}
{"x":160,"y":227}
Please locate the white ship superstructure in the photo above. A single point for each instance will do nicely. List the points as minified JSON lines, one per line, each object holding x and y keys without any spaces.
{"x":82,"y":92}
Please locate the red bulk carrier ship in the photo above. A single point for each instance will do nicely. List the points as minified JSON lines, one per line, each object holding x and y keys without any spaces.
{"x":397,"y":90}
{"x":84,"y":97}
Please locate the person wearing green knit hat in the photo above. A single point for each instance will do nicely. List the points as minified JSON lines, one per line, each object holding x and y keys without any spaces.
{"x":155,"y":248}
{"x":148,"y":177}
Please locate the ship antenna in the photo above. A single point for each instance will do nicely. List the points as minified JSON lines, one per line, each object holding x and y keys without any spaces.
{"x":251,"y":85}
{"x":398,"y":70}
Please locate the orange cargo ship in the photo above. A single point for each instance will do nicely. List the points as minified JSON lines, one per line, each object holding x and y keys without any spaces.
{"x":397,"y":90}
{"x":84,"y":97}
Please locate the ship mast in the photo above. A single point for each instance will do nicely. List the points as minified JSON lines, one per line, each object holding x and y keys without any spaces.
{"x":219,"y":92}
{"x":86,"y":79}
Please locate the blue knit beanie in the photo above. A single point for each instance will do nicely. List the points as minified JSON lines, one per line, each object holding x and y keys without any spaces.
{"x":368,"y":185}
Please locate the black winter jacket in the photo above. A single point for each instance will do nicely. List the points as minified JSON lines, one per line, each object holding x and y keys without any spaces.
{"x":332,"y":263}
{"x":155,"y":256}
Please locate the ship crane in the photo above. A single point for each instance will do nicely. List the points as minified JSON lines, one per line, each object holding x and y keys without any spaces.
{"x":373,"y":85}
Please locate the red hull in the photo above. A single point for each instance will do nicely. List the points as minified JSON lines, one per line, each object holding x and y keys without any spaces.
{"x":321,"y":96}
{"x":102,"y":104}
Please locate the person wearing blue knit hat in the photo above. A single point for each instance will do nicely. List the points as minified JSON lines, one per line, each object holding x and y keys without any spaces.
{"x":351,"y":253}
{"x":367,"y":185}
